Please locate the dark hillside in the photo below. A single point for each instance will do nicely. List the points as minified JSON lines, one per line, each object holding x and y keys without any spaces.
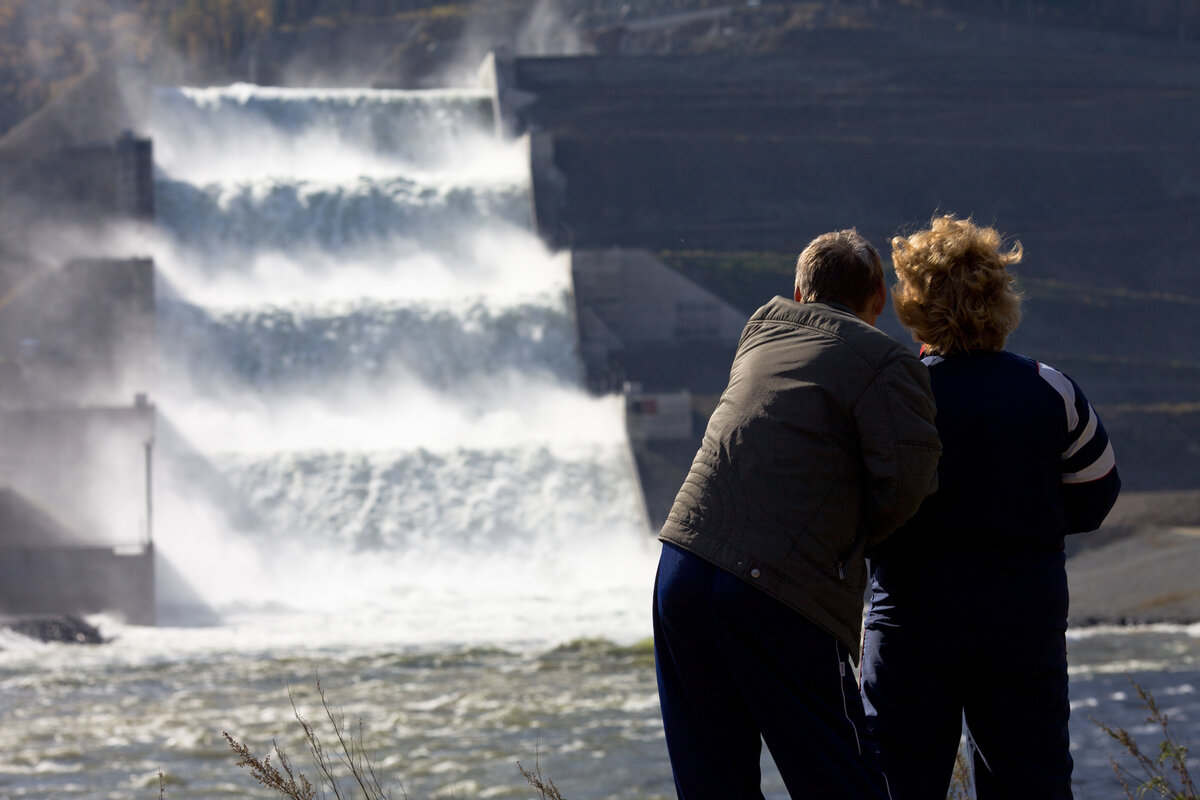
{"x":45,"y":47}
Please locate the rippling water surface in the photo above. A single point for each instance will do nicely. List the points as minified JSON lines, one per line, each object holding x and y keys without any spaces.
{"x":440,"y":720}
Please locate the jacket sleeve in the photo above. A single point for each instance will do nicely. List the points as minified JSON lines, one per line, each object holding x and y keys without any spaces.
{"x":1090,"y":483}
{"x":899,"y":444}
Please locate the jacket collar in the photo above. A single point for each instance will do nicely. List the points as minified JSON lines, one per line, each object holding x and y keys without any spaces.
{"x":838,"y":306}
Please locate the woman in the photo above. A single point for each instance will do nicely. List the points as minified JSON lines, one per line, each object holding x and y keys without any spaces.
{"x":969,"y":598}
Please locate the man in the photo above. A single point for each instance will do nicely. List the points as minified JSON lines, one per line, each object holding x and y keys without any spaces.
{"x":822,"y":443}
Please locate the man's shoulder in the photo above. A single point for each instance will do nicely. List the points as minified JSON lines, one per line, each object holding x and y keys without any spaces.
{"x":837,"y":323}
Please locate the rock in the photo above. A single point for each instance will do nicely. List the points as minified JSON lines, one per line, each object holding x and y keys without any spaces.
{"x":60,"y":628}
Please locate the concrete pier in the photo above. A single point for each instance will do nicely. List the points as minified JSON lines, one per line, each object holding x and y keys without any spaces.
{"x":77,"y":434}
{"x":76,"y":358}
{"x":46,"y":581}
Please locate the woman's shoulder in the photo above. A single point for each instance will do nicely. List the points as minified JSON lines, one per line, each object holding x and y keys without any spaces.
{"x":983,"y":361}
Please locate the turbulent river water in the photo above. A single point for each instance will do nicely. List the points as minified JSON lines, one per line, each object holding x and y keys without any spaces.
{"x":377,"y":466}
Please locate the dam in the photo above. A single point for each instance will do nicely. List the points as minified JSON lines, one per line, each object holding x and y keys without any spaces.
{"x":561,"y":281}
{"x":362,"y":355}
{"x":685,"y":186}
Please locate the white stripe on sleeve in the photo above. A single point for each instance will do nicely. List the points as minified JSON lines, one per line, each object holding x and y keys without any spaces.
{"x":1094,"y":471}
{"x":1062,"y":385}
{"x":1088,"y":432}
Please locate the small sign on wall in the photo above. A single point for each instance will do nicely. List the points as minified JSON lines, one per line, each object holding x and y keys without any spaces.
{"x":657,"y":415}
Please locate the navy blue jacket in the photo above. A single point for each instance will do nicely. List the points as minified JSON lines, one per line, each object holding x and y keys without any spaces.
{"x":1025,"y":461}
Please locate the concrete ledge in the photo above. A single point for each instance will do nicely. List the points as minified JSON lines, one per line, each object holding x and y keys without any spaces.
{"x":641,"y":321}
{"x":78,"y":580}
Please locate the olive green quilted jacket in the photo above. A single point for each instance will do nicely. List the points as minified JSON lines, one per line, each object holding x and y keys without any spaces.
{"x":822,"y":443}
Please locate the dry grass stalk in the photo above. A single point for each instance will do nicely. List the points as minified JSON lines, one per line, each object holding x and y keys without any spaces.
{"x":284,"y":779}
{"x":1165,"y":775}
{"x":546,"y":788}
{"x":295,"y":785}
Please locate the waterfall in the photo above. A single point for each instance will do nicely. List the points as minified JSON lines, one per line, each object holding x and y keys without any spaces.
{"x":371,"y":365}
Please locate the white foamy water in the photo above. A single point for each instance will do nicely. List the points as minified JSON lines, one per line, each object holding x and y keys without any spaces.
{"x":371,"y":383}
{"x":375,"y":465}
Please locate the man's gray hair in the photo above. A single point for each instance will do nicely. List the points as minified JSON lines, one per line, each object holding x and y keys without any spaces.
{"x":840,"y":267}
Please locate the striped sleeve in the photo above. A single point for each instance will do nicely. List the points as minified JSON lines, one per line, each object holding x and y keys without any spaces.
{"x":1090,"y":483}
{"x":1088,"y":455}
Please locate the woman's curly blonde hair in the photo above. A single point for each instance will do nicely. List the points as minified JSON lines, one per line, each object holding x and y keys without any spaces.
{"x":954,"y":292}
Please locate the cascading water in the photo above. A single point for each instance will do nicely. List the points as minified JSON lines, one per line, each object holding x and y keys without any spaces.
{"x":376,"y":357}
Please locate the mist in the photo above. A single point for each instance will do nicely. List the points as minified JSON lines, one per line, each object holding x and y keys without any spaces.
{"x":384,"y":407}
{"x":366,"y":361}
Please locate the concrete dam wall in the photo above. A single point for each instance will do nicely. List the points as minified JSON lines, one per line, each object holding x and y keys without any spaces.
{"x":1087,"y":156}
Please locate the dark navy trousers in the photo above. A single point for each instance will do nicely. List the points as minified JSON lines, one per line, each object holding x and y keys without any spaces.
{"x":736,"y":667}
{"x":920,"y":681}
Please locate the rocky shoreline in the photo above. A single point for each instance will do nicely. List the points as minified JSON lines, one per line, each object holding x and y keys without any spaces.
{"x":1141,"y":567}
{"x":1146,"y":576}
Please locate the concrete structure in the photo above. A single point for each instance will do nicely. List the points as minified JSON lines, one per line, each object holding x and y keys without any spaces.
{"x":76,"y":356}
{"x":36,"y":581}
{"x":78,"y":334}
{"x":75,"y":462}
{"x":76,"y":511}
{"x":642,"y":321}
{"x":84,"y":184}
{"x":754,"y":152}
{"x":79,"y":161}
{"x":88,"y":468}
{"x":1082,"y":149}
{"x":664,"y":431}
{"x":75,"y":453}
{"x":663,"y":341}
{"x":651,"y":416}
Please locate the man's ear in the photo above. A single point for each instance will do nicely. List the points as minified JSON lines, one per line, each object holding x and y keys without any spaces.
{"x":880,"y":301}
{"x":799,"y":298}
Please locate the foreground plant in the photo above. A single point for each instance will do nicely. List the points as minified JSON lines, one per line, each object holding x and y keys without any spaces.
{"x":282,"y":777}
{"x":1163,"y":775}
{"x":545,"y":787}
